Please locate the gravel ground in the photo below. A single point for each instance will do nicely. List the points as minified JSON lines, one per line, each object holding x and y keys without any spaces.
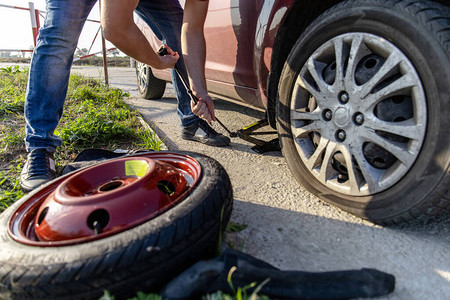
{"x":291,"y":228}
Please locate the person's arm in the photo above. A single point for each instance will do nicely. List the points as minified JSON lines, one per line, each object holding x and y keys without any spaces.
{"x":194,"y":54}
{"x":119,"y":28}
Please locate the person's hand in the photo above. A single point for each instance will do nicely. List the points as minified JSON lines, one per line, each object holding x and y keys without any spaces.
{"x":170,"y":59}
{"x":204,"y":108}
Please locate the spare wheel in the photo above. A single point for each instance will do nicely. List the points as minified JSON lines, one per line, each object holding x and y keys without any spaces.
{"x":91,"y":230}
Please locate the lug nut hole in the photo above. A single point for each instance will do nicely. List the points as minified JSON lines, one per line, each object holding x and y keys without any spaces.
{"x":166,"y":187}
{"x":97,"y":220}
{"x":42,"y":216}
{"x":112,"y":185}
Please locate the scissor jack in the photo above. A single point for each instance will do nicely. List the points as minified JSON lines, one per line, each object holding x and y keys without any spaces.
{"x":247,"y":133}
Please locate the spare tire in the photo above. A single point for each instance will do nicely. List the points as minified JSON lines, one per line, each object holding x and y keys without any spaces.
{"x":140,"y":258}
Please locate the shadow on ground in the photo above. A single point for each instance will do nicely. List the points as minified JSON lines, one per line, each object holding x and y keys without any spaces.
{"x":313,"y":243}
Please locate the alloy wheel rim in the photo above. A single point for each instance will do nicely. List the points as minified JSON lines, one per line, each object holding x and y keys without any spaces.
{"x":142,"y":75}
{"x":358,"y":114}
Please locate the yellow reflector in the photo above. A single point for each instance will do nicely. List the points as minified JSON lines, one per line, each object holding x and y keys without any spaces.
{"x":136,"y":168}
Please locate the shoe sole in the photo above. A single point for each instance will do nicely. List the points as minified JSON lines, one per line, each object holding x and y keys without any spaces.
{"x":204,"y":141}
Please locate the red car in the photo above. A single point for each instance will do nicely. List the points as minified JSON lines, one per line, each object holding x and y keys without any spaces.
{"x":357,"y":90}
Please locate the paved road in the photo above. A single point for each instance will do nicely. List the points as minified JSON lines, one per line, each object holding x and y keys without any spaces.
{"x":292,"y":229}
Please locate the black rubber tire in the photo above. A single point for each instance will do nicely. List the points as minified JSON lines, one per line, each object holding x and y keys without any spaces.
{"x":150,"y":87}
{"x":143,"y":258}
{"x":421,"y":30}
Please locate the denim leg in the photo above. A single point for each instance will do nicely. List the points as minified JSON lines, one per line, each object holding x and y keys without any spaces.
{"x":50,"y":70}
{"x":165,"y":18}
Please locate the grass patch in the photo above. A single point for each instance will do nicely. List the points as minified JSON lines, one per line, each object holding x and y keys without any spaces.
{"x":10,"y":189}
{"x":149,"y":139}
{"x":95,"y":116}
{"x":13,"y":81}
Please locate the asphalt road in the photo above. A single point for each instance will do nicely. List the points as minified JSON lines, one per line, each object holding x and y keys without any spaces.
{"x":292,"y":229}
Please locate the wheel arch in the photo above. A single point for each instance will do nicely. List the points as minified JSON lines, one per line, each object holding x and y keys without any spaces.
{"x":300,"y":15}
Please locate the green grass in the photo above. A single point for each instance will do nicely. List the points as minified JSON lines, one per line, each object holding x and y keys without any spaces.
{"x":13,"y":81}
{"x":10,"y":189}
{"x":95,"y":116}
{"x":149,"y":139}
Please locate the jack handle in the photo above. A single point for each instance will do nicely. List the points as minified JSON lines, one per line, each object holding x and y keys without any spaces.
{"x":163,"y":51}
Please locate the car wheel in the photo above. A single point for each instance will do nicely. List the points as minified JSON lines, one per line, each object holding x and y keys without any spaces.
{"x":149,"y":86}
{"x":363,"y":109}
{"x":48,"y":252}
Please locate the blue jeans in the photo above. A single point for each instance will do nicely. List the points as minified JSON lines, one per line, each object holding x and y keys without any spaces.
{"x":52,"y":59}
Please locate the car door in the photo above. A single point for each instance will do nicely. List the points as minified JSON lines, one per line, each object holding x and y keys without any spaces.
{"x":230,"y":30}
{"x":230,"y":37}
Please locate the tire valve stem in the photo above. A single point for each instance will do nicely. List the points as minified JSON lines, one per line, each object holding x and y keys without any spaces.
{"x":97,"y":227}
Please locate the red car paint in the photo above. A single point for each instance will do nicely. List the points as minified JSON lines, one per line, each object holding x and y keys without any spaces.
{"x":239,"y":39}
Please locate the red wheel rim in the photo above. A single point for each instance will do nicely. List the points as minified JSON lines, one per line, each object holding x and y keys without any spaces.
{"x":105,"y":199}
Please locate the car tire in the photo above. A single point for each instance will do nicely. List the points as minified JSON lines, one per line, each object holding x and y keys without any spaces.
{"x":372,"y":142}
{"x":149,"y":86}
{"x":142,"y":258}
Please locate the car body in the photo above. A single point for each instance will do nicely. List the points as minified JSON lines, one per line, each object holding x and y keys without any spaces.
{"x":284,"y":56}
{"x":236,"y":66}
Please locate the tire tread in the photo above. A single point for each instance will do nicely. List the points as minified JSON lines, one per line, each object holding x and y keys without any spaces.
{"x":155,"y":87}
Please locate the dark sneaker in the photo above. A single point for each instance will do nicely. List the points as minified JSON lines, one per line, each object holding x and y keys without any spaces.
{"x":39,"y":169}
{"x":203,"y":133}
